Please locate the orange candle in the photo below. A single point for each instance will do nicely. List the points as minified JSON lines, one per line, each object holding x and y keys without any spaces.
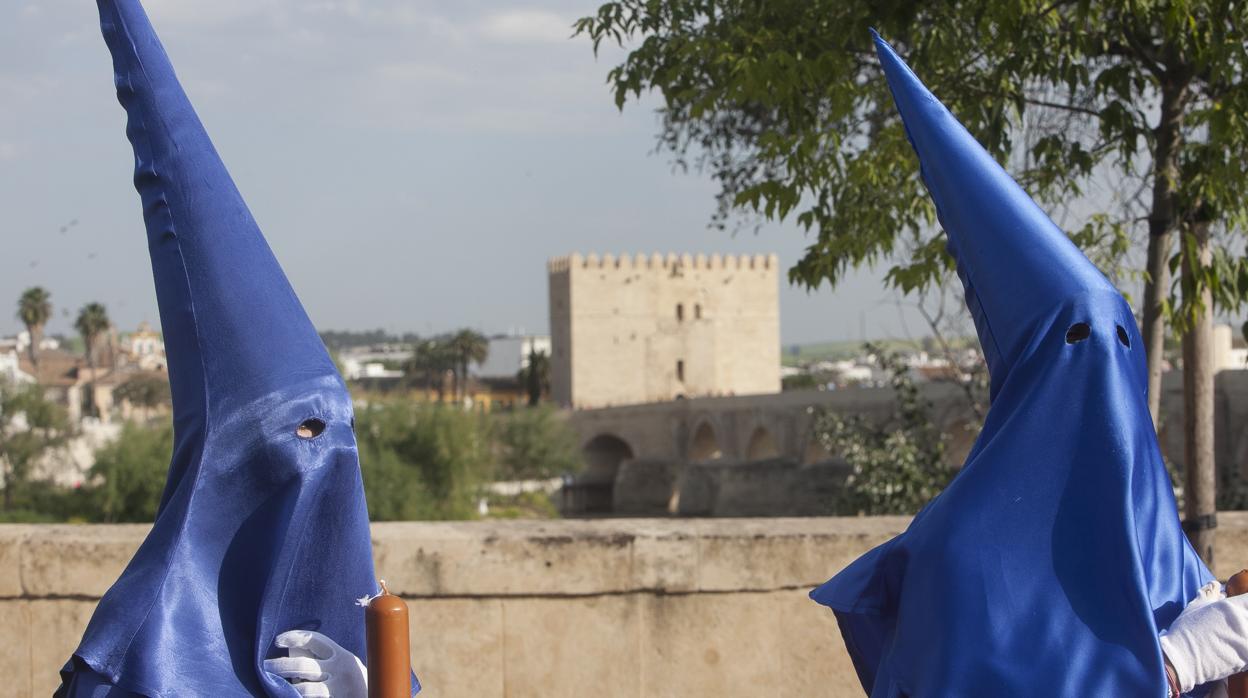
{"x":389,"y":657}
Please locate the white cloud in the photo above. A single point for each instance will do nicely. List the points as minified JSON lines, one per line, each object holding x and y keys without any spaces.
{"x":528,"y":25}
{"x":8,"y":151}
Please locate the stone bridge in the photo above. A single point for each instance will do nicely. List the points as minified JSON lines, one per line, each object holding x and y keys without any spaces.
{"x":777,"y":428}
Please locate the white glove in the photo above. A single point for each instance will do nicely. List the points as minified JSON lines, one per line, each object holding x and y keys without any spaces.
{"x":318,"y":667}
{"x":1209,"y":639}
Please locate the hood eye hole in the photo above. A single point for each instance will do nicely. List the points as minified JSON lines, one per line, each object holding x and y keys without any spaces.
{"x":1123,"y":338}
{"x":310,"y":429}
{"x":1078,"y":332}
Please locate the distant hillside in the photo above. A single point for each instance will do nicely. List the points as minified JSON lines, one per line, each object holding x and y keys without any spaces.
{"x":799,"y":354}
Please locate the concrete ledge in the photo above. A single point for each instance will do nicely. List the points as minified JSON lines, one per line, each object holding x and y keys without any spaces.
{"x":533,"y":558}
{"x":632,"y":608}
{"x":504,"y":558}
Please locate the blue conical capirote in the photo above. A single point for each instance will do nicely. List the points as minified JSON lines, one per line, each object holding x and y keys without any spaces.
{"x":233,"y":327}
{"x":1055,"y":557}
{"x":1006,"y":247}
{"x":263,"y":527}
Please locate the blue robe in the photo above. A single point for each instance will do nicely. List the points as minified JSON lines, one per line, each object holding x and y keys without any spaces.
{"x":259,"y":531}
{"x":1056,"y":556}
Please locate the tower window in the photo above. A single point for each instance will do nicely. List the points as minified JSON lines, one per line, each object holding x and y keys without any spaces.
{"x":680,"y":312}
{"x":680,"y":370}
{"x":697,"y":311}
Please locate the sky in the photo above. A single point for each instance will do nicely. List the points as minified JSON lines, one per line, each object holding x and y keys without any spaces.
{"x":412,"y":164}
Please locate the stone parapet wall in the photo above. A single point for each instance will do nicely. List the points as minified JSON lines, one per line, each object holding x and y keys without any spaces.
{"x":643,"y":607}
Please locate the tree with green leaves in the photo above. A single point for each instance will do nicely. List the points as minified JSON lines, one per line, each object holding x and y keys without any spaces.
{"x":34,"y":308}
{"x":535,"y":376}
{"x":469,"y":346}
{"x":534,"y":443}
{"x":131,"y":472}
{"x":431,"y":359}
{"x":30,"y":424}
{"x":1136,"y":112}
{"x":144,"y":390}
{"x":91,"y":323}
{"x":895,"y":468}
{"x":421,"y":461}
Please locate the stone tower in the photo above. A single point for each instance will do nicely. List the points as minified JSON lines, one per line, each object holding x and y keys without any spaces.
{"x":628,"y":330}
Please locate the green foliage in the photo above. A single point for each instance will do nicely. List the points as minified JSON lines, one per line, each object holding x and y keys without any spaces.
{"x":29,"y":426}
{"x":131,"y":473}
{"x":784,"y":104}
{"x":336,"y":341}
{"x":144,"y":390}
{"x":468,"y":346}
{"x":43,"y":502}
{"x":34,"y":307}
{"x":91,"y":322}
{"x":534,"y":443}
{"x":896,"y":468}
{"x":800,"y":381}
{"x":526,"y":505}
{"x":421,"y":461}
{"x":535,"y":376}
{"x":431,"y":359}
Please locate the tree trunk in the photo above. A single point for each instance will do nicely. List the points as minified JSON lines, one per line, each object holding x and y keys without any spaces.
{"x":1161,"y":223}
{"x":1200,"y":489}
{"x":36,"y":337}
{"x":1156,"y":292}
{"x":90,"y":386}
{"x":463,"y":381}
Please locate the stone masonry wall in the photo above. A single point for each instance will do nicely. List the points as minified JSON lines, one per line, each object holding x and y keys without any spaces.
{"x":631,"y":608}
{"x":631,"y":330}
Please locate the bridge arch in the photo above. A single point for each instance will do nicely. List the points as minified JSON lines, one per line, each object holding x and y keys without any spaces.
{"x":815,"y":451}
{"x":704,"y":446}
{"x":762,"y":445}
{"x":603,"y":455}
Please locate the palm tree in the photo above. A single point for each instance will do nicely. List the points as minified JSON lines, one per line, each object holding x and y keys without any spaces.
{"x":91,"y":323}
{"x":34,"y":308}
{"x":468,"y":346}
{"x":431,"y":357}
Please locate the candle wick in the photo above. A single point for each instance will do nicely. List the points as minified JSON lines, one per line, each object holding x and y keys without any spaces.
{"x":384,"y":590}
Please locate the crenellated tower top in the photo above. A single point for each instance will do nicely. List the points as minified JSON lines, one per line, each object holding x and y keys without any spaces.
{"x":658,"y":261}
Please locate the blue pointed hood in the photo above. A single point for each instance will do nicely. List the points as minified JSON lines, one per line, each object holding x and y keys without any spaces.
{"x":1008,"y":251}
{"x":233,"y":327}
{"x":263,"y":526}
{"x":1053,"y":560}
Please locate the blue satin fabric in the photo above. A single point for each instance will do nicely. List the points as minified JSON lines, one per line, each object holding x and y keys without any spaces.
{"x":1053,"y":560}
{"x":259,"y":531}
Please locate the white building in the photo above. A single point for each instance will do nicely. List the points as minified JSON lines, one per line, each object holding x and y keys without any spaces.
{"x":355,"y":369}
{"x":1227,"y":356}
{"x":10,"y":368}
{"x":145,"y":347}
{"x":508,"y":355}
